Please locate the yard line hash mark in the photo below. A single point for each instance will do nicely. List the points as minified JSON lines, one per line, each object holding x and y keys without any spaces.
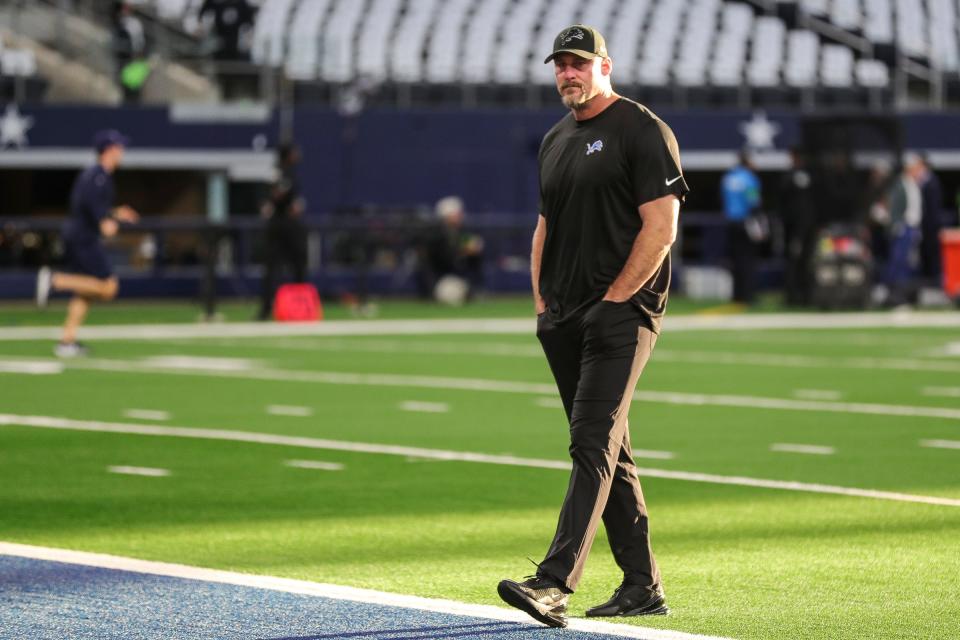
{"x":802,"y":448}
{"x":314,"y":464}
{"x":289,"y":410}
{"x":147,"y":414}
{"x":139,"y":471}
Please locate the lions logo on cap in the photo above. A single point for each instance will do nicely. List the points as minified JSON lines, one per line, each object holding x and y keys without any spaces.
{"x":569,"y":35}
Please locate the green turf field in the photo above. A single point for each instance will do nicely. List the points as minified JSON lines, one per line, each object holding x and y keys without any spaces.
{"x":738,"y":561}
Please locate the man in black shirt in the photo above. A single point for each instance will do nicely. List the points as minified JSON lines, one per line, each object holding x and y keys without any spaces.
{"x":610,"y":193}
{"x":286,"y":235}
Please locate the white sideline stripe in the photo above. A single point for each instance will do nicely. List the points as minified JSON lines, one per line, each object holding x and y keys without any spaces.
{"x":947,"y":392}
{"x":50,"y":422}
{"x":917,"y":319}
{"x":333,"y":591}
{"x":140,"y":471}
{"x":779,"y":360}
{"x":802,"y":448}
{"x":289,"y":410}
{"x":941,"y":444}
{"x":506,"y":386}
{"x":314,"y":464}
{"x":31,"y":367}
{"x":425,"y":407}
{"x":147,"y":414}
{"x":816,"y":394}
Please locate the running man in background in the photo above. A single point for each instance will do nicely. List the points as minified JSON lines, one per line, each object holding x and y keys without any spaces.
{"x":88,"y":274}
{"x":610,"y":193}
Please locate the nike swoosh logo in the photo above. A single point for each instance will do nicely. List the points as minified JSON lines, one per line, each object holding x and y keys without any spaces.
{"x":670,"y":182}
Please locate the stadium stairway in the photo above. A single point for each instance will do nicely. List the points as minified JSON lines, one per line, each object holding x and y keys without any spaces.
{"x":73,"y":55}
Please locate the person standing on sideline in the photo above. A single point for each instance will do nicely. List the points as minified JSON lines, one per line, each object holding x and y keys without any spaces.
{"x":798,"y":219}
{"x":286,"y":236}
{"x":741,"y":197}
{"x":610,"y":193}
{"x":88,"y":274}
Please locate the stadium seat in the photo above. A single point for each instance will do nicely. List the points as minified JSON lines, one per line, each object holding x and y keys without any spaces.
{"x":803,"y":50}
{"x":731,"y":48}
{"x":911,"y":28}
{"x":657,"y":55}
{"x":767,"y":52}
{"x":878,"y":21}
{"x":338,"y":55}
{"x":375,"y":38}
{"x":480,"y":42}
{"x":304,"y":52}
{"x":944,"y":46}
{"x":625,"y":35}
{"x":269,"y":32}
{"x":409,"y":45}
{"x":872,"y":74}
{"x":846,"y":14}
{"x":517,"y":29}
{"x":18,"y":62}
{"x":820,"y":8}
{"x":444,"y":50}
{"x":836,"y":66}
{"x":690,"y":69}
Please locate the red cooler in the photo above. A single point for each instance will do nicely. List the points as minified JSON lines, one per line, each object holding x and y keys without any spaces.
{"x":950,"y":249}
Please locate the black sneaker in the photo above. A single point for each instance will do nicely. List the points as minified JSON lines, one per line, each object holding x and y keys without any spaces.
{"x":632,"y":600}
{"x":540,"y":597}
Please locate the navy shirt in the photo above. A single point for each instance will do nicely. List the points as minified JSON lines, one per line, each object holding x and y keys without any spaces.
{"x":90,"y":202}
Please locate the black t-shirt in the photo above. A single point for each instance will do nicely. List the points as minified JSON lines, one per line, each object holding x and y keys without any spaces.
{"x":594,"y":174}
{"x":90,"y":201}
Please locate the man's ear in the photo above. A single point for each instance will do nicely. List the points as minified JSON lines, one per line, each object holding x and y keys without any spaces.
{"x":606,"y":66}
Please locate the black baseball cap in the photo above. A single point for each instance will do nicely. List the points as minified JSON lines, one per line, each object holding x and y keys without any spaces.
{"x":580,"y":40}
{"x":108,"y":138}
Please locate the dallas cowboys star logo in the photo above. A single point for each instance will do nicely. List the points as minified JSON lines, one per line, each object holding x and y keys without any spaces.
{"x":14,"y":127}
{"x":759,"y":131}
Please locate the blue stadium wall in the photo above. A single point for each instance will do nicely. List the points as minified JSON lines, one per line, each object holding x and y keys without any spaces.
{"x":398,"y":158}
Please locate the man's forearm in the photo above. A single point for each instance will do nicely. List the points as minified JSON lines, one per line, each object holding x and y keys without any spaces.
{"x":650,"y":247}
{"x":536,"y":254}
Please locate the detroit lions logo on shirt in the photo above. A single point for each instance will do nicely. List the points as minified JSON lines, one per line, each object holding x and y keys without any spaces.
{"x":594,"y":146}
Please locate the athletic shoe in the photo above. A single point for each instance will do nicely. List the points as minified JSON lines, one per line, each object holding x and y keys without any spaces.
{"x":70,"y":350}
{"x":632,"y":600}
{"x":540,"y":597}
{"x":44,"y":278}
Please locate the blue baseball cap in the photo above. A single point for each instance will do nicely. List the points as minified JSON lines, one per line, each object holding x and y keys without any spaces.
{"x":108,"y":138}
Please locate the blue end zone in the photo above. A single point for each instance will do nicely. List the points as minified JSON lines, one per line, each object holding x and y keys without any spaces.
{"x":52,"y":600}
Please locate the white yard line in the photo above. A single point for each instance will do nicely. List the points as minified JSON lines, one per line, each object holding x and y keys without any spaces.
{"x":941,"y":444}
{"x":140,"y":471}
{"x":289,"y":410}
{"x":549,"y":403}
{"x":147,"y":414}
{"x":506,"y":386}
{"x":817,"y":394}
{"x":920,"y":319}
{"x":336,"y":592}
{"x":50,"y":422}
{"x":314,"y":464}
{"x":425,"y":407}
{"x":784,"y":447}
{"x":31,"y":367}
{"x":945,"y":392}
